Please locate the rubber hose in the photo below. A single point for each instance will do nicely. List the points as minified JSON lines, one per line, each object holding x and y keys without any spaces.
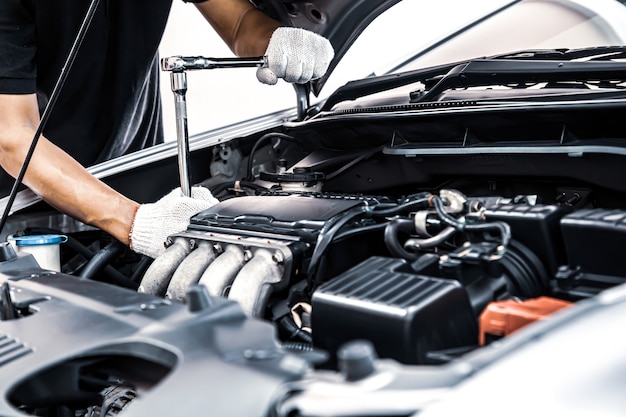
{"x":438,"y":239}
{"x":294,"y":331}
{"x":101,"y":259}
{"x":113,"y":275}
{"x":391,"y":238}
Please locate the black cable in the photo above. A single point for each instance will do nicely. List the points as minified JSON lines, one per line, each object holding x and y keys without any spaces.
{"x":80,"y":36}
{"x":359,"y":230}
{"x":258,"y":143}
{"x":407,"y":206}
{"x":325,"y":238}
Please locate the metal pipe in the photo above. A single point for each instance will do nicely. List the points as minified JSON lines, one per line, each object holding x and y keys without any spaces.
{"x":190,"y":270}
{"x":158,"y":276}
{"x":256,"y":281}
{"x":219,"y":276}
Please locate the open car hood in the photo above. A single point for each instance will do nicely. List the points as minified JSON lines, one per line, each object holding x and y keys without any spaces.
{"x":340,"y":21}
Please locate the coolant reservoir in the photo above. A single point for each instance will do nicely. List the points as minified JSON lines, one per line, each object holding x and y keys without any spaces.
{"x":45,"y":249}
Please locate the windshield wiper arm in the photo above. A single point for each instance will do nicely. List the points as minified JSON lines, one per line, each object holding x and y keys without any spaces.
{"x":485,"y":72}
{"x":360,"y":88}
{"x":596,"y":53}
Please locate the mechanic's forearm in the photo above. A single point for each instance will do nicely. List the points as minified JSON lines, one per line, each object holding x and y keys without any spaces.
{"x":66,"y":185}
{"x":242,"y":27}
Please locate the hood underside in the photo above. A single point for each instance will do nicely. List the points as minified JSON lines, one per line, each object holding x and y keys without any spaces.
{"x":340,"y":21}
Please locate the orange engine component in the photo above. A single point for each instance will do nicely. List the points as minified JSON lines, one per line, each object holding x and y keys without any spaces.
{"x":501,"y":318}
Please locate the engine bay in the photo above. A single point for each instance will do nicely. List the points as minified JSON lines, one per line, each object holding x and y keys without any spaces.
{"x":315,"y":244}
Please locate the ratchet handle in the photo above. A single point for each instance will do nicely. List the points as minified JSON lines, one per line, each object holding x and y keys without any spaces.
{"x":184,"y":63}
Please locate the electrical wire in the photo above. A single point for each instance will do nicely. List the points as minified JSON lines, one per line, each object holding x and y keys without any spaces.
{"x":325,"y":238}
{"x":257,"y":144}
{"x":407,"y":206}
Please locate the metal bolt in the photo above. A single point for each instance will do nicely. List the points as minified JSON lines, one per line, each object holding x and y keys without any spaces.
{"x":278,"y":258}
{"x":218,"y":249}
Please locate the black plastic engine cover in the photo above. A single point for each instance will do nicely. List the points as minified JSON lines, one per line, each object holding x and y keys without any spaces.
{"x":296,"y":214}
{"x":405,"y":315}
{"x":602,"y":230}
{"x":535,"y":226}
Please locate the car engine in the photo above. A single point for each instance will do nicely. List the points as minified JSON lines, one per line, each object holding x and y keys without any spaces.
{"x":337,"y":241}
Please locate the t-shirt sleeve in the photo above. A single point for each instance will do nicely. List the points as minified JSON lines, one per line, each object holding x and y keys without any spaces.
{"x":17,"y":48}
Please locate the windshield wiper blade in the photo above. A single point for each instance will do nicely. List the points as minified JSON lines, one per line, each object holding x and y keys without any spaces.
{"x":360,"y":88}
{"x":596,"y":53}
{"x":486,"y":72}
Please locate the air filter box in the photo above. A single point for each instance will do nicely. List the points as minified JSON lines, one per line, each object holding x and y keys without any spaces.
{"x":595,"y":241}
{"x":404,"y":314}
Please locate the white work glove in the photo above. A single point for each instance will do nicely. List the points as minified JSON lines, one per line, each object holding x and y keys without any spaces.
{"x":154,"y":222}
{"x":296,"y":55}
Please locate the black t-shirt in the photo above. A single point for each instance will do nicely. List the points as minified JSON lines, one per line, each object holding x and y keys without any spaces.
{"x":110,"y":103}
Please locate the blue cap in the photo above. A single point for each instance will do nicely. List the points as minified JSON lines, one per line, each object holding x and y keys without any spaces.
{"x":37,"y":240}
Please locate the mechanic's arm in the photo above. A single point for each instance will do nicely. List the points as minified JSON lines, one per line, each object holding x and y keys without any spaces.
{"x":294,"y":54}
{"x":54,"y":175}
{"x":243,"y":28}
{"x":64,"y":184}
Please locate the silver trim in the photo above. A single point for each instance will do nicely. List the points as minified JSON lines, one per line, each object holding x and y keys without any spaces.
{"x":571,"y":151}
{"x":27,"y":198}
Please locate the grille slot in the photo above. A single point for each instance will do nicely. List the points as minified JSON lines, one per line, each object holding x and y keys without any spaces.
{"x":11,"y":349}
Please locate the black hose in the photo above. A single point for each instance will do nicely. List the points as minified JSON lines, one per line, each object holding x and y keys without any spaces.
{"x":438,"y":239}
{"x":297,"y":347}
{"x":295,"y":333}
{"x":391,"y":237}
{"x":306,"y":351}
{"x":101,"y":259}
{"x":140,"y":269}
{"x":501,"y":227}
{"x":111,"y":273}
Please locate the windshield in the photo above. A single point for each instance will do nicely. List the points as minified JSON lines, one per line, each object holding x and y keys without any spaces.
{"x":430,"y":36}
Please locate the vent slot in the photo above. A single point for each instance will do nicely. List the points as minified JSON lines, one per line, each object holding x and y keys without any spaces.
{"x":11,"y":349}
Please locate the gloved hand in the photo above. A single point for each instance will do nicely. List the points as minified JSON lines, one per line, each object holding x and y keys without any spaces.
{"x":297,"y":55}
{"x":154,"y":222}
